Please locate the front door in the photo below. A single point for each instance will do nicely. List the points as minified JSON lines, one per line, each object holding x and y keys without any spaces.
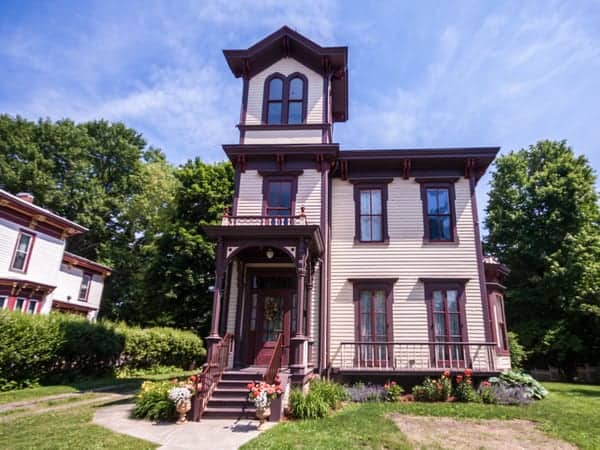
{"x":270,"y":313}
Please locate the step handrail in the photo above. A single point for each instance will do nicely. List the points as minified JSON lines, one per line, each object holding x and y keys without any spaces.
{"x":275,"y":362}
{"x":210,"y":376}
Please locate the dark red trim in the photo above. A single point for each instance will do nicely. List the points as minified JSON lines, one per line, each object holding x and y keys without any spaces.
{"x":370,"y":184}
{"x":29,"y":251}
{"x":62,"y":305}
{"x":236,"y":190}
{"x":284,"y":126}
{"x":447,"y":184}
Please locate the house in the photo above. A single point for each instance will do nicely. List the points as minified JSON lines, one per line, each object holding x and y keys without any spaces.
{"x":350,"y":263}
{"x":37,"y":275}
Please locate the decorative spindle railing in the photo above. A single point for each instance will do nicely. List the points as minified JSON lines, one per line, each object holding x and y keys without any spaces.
{"x":267,"y":221}
{"x":275,"y":363}
{"x":210,"y":376}
{"x":416,"y":356}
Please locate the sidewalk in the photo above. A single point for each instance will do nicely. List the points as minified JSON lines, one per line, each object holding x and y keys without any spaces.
{"x":213,"y":434}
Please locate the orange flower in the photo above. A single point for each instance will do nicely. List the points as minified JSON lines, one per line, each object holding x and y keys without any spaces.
{"x":459,"y":378}
{"x":249,"y":386}
{"x":256,"y":394}
{"x":468,"y":372}
{"x":192,"y":378}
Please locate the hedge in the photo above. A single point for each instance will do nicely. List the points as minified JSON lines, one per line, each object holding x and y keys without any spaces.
{"x":40,"y":347}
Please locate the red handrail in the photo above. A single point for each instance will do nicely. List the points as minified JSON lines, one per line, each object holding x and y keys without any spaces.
{"x":275,"y":363}
{"x":211,"y":375}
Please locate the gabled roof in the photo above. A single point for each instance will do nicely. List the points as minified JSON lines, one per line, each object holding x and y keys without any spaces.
{"x":286,"y":42}
{"x":38,"y":216}
{"x":84,"y":263}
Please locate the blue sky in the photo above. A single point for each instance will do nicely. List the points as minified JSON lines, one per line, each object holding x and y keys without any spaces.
{"x":422,"y":74}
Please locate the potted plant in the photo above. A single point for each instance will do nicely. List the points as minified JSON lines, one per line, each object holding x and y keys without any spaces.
{"x":262,"y":394}
{"x":181,"y":395}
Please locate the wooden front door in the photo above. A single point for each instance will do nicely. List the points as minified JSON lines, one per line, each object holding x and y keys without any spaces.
{"x":270,"y":313}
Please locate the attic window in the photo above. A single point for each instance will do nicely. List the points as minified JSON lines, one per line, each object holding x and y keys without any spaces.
{"x":285,"y":99}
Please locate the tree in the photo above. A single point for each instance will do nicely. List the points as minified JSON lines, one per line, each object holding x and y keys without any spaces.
{"x":544,"y":223}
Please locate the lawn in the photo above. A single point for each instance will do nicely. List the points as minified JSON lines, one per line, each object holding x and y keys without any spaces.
{"x":571,"y":412}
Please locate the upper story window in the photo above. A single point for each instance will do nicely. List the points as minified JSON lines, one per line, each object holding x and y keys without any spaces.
{"x":84,"y":289}
{"x":371,"y":214}
{"x":438,"y":211}
{"x":22,"y":252}
{"x":285,"y":99}
{"x":279,"y":198}
{"x":275,"y":101}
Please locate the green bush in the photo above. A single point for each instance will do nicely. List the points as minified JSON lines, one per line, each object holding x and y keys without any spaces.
{"x":436,"y":390}
{"x":152,"y":401}
{"x":518,"y":354}
{"x":309,"y":406}
{"x":331,"y":393}
{"x":56,"y":347}
{"x":532,"y":387}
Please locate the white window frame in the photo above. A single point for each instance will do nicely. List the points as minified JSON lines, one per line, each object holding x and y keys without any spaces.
{"x":22,"y":308}
{"x":31,"y":302}
{"x":27,"y":252}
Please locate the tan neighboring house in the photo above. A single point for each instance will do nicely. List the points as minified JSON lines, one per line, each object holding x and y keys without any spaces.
{"x":37,"y":275}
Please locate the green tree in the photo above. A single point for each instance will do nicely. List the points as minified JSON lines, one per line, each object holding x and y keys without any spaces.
{"x":543,"y":222}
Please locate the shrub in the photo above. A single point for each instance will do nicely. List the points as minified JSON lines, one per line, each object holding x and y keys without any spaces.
{"x":518,"y":354}
{"x":486,"y":393}
{"x":393,"y":391}
{"x":359,"y":392}
{"x":309,"y":406}
{"x":152,"y":401}
{"x":464,"y":392}
{"x":59,"y":346}
{"x":532,"y":388}
{"x":331,"y":393}
{"x":437,"y":390}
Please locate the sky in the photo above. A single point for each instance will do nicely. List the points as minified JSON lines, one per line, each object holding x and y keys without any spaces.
{"x":421,"y":74}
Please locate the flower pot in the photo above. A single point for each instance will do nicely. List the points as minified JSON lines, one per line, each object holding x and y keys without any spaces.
{"x":182,"y":409}
{"x":262,"y":414}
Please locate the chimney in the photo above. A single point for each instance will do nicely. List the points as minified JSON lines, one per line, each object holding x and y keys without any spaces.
{"x":25,"y":196}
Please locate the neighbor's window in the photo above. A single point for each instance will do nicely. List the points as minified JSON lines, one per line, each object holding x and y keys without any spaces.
{"x":501,"y":323}
{"x":22,"y":251}
{"x":84,"y":289}
{"x":32,"y":306}
{"x":296,"y":100}
{"x":275,"y":101}
{"x":19,"y":304}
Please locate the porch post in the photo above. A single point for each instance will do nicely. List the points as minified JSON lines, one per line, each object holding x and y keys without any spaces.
{"x":309,"y":290}
{"x":297,"y":342}
{"x":213,"y":339}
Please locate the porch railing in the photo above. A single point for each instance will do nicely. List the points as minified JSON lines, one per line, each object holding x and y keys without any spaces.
{"x":211,"y":375}
{"x":415,"y":356}
{"x":275,"y":363}
{"x":276,"y":221}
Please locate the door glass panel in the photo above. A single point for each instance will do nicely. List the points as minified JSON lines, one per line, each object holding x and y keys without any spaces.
{"x":440,"y":326}
{"x":273,"y":318}
{"x":454,"y":325}
{"x":380,"y":333}
{"x":365,"y":327}
{"x":253,"y":312}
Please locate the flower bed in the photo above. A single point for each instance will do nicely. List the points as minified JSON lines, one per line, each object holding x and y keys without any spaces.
{"x":158,"y":400}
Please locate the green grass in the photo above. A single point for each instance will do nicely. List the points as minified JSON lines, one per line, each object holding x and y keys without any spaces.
{"x":70,"y":429}
{"x":571,"y":412}
{"x":82,"y":385}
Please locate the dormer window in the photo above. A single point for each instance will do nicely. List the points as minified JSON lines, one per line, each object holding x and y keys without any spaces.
{"x":285,"y":99}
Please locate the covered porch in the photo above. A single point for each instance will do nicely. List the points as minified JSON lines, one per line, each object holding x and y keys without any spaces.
{"x":266,"y":270}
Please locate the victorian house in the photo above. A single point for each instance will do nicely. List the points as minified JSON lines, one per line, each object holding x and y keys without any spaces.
{"x":350,"y":263}
{"x":37,"y":275}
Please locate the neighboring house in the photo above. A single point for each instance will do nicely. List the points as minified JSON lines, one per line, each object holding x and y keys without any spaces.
{"x":37,"y":275}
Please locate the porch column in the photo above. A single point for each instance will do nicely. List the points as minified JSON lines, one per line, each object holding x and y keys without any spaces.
{"x":213,"y":339}
{"x":310,"y":337}
{"x":297,"y":342}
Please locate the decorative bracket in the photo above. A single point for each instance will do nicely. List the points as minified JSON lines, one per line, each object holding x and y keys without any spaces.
{"x":406,"y":169}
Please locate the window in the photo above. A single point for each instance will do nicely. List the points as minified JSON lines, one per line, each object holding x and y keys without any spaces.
{"x":447,"y":324}
{"x":438,"y":211}
{"x":3,"y":301}
{"x":22,"y":252}
{"x":275,"y":101}
{"x":501,"y":335}
{"x":370,"y":208}
{"x":285,"y":99}
{"x":19,"y":304}
{"x":296,"y":101}
{"x":279,"y":195}
{"x":32,"y":306}
{"x":84,"y":289}
{"x":373,"y":312}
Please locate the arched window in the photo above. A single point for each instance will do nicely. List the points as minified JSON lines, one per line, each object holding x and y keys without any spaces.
{"x":285,"y":99}
{"x":296,"y":100}
{"x":275,"y":101}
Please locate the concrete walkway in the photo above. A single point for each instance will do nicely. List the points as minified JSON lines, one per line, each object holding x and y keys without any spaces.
{"x":213,"y":434}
